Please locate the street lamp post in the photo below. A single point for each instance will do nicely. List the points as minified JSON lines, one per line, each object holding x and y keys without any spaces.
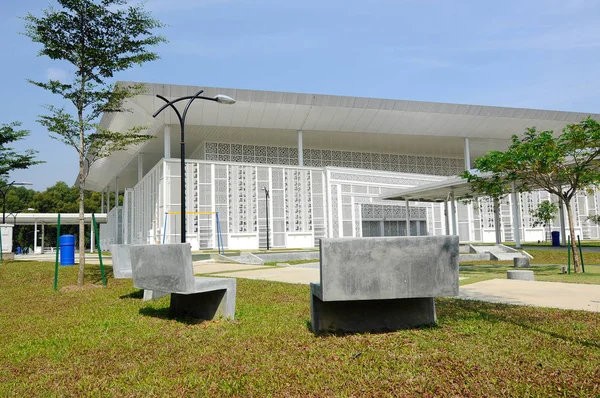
{"x":3,"y":191}
{"x":267,"y":212}
{"x":220,"y":98}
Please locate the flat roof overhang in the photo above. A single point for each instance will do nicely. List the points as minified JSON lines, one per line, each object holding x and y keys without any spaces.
{"x":52,"y":218}
{"x":327,"y":121}
{"x":434,"y":192}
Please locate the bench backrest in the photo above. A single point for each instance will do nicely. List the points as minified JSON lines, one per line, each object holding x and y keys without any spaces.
{"x":166,"y":268}
{"x":121,"y":261}
{"x":389,"y":267}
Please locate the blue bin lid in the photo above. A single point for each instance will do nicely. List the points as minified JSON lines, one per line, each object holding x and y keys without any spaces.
{"x":67,"y":240}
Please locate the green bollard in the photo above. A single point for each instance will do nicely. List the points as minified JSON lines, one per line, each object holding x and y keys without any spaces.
{"x":580,"y":255}
{"x":99,"y":249}
{"x":57,"y":250}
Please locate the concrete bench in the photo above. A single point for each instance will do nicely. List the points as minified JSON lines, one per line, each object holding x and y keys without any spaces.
{"x":121,"y":262}
{"x":169,"y":268}
{"x":382,"y":284}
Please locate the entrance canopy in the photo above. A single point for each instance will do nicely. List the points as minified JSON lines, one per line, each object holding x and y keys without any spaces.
{"x":438,"y":191}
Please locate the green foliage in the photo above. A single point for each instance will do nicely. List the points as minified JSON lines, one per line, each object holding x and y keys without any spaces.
{"x":98,"y":38}
{"x":9,"y":158}
{"x":560,"y":165}
{"x":545,"y":213}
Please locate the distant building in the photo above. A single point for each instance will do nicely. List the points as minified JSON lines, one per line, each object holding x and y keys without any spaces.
{"x":326,"y":161}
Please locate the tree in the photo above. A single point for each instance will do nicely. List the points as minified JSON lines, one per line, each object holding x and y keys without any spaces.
{"x":9,"y":158}
{"x":98,"y":38}
{"x":539,"y":160}
{"x":544,"y":214}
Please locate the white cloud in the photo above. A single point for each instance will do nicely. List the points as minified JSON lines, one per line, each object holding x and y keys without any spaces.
{"x":58,"y":74}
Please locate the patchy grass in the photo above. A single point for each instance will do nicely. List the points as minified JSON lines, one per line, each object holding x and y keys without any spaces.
{"x":557,"y":257}
{"x":107,"y":342}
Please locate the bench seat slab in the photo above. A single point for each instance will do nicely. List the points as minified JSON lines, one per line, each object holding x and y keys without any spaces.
{"x":359,"y":316}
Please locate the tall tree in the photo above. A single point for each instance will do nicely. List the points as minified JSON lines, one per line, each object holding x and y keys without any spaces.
{"x":10,"y":159}
{"x":560,"y":165}
{"x":98,"y":38}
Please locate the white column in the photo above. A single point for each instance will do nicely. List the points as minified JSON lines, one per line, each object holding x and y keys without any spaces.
{"x":563,"y":229}
{"x":107,"y":200}
{"x":116,"y":191}
{"x":92,"y":237}
{"x":497,"y":221}
{"x":43,"y":238}
{"x":34,"y":236}
{"x":167,"y":142}
{"x":140,"y":166}
{"x":116,"y":211}
{"x":453,"y":212}
{"x":407,"y":217}
{"x":102,"y":203}
{"x":300,"y":149}
{"x":516,"y":217}
{"x":467,"y":155}
{"x":446,"y":217}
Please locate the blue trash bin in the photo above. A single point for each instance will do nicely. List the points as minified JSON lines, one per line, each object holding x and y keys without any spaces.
{"x":18,"y":249}
{"x":67,"y":250}
{"x":555,"y":238}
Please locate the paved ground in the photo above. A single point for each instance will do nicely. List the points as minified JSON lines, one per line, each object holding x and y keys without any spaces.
{"x":539,"y":294}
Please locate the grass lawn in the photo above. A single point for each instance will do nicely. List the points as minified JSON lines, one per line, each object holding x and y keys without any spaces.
{"x":107,"y":342}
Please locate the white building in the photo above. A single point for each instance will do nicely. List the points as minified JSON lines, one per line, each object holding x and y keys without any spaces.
{"x":326,"y":160}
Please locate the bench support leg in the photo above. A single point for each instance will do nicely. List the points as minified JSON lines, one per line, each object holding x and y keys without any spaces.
{"x":371,"y":315}
{"x":153,"y":295}
{"x":207,"y":305}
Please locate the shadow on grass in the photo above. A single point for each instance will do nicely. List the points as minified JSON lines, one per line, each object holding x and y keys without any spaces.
{"x":165,"y":313}
{"x":340,"y":333}
{"x":138,"y":294}
{"x":453,"y":310}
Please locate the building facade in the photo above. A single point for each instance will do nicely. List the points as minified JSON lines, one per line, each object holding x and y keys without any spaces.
{"x":326,"y":163}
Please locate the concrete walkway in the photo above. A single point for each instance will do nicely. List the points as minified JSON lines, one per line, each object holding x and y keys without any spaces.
{"x":573,"y":296}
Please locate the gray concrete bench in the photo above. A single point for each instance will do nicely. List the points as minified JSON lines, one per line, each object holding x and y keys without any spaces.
{"x":169,"y":268}
{"x":121,"y":262}
{"x":382,"y":284}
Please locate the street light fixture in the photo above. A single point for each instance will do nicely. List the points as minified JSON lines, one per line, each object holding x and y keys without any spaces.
{"x":3,"y":191}
{"x":219,"y":98}
{"x":16,"y":213}
{"x":267,"y":212}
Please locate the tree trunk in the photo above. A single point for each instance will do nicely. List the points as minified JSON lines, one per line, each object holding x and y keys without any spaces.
{"x":576,"y":260}
{"x":80,"y":274}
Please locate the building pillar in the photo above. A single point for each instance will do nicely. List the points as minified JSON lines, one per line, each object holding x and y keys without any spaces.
{"x":116,"y":191}
{"x":497,"y":221}
{"x":43,"y":238}
{"x":107,"y":200}
{"x":167,"y":142}
{"x":446,"y":217}
{"x":467,"y":155}
{"x":140,"y":166}
{"x":35,"y":240}
{"x":92,"y":237}
{"x":116,"y":232}
{"x":407,"y":217}
{"x":102,"y":203}
{"x":453,"y":211}
{"x":563,"y":229}
{"x":516,"y":217}
{"x":300,"y":149}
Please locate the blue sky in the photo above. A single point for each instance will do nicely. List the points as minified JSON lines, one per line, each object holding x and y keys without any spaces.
{"x":520,"y":53}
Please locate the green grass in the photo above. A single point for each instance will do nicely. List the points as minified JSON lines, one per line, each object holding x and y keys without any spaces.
{"x":107,"y":342}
